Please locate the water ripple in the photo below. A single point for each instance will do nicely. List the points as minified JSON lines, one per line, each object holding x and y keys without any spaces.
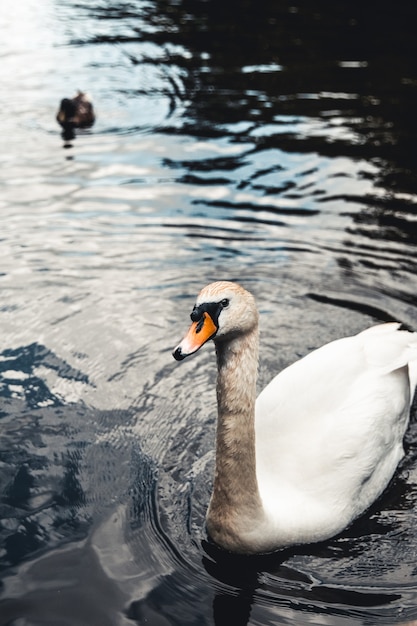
{"x":220,"y":150}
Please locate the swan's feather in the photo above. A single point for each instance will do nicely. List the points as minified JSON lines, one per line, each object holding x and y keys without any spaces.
{"x":329,"y":431}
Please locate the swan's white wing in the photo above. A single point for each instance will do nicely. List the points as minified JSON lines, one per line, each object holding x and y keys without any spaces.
{"x":329,"y":428}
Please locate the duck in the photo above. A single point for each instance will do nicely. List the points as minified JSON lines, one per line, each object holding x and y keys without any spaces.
{"x":318,"y":446}
{"x":77,"y":112}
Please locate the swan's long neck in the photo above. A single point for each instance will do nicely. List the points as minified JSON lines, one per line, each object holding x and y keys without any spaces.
{"x":235,"y":505}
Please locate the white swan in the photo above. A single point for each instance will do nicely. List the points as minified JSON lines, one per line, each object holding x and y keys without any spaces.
{"x":322,"y":440}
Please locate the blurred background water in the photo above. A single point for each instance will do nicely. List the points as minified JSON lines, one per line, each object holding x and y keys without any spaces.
{"x":267,"y":142}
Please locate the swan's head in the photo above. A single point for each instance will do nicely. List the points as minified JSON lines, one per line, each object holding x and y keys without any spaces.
{"x":222,"y":311}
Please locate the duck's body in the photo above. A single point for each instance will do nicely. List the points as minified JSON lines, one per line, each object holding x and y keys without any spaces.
{"x":321,"y":442}
{"x":77,"y":112}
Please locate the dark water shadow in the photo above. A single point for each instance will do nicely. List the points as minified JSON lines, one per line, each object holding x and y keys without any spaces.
{"x":58,"y":482}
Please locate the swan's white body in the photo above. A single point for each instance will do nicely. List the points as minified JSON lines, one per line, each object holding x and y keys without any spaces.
{"x":321,"y":442}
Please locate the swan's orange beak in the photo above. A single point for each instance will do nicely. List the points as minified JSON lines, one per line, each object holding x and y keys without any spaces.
{"x":198,"y":333}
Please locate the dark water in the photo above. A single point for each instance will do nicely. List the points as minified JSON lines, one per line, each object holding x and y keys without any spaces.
{"x":268,"y":142}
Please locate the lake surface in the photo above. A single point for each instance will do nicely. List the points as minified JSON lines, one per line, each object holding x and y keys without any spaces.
{"x":265,"y":142}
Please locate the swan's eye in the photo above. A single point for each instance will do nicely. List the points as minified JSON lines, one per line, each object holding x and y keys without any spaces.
{"x":225,"y":303}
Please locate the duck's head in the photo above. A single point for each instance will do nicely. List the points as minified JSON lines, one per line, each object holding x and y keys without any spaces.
{"x":67,"y":110}
{"x":65,"y":118}
{"x":222,"y":311}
